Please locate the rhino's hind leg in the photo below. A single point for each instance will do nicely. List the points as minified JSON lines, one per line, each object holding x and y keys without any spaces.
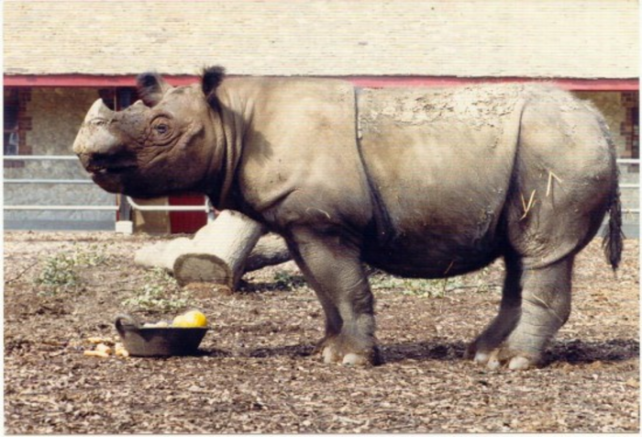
{"x":484,"y":349}
{"x":333,"y":269}
{"x":546,"y":306}
{"x":539,"y":310}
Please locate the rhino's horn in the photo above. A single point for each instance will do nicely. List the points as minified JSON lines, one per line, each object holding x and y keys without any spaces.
{"x":93,"y":134}
{"x":99,"y":110}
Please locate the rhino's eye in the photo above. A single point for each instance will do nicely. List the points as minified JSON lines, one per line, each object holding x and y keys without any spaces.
{"x":161,"y":128}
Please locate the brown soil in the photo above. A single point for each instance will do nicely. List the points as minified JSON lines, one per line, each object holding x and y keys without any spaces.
{"x":256,"y":372}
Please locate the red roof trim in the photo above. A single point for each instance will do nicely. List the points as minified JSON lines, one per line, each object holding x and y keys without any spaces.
{"x":569,"y":84}
{"x":83,"y":80}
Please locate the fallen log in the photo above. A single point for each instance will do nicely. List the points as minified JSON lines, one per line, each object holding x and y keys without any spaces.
{"x":269,"y":251}
{"x":163,"y":254}
{"x":220,"y":252}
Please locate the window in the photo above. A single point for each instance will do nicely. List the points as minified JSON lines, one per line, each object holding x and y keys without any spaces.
{"x":11,"y":139}
{"x":15,"y":124}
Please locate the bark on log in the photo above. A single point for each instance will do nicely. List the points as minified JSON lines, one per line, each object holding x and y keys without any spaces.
{"x":220,"y":252}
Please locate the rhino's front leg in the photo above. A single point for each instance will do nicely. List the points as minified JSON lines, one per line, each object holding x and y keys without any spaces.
{"x":332,"y":267}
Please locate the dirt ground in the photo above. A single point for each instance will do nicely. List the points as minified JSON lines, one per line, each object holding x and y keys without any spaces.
{"x":256,"y":372}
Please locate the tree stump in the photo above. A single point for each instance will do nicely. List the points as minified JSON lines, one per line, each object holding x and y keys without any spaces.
{"x":220,"y":252}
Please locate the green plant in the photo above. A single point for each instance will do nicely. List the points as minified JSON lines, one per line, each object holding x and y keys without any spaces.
{"x":61,"y":272}
{"x":93,"y":256}
{"x":160,"y":294}
{"x":481,"y":280}
{"x":380,"y":280}
{"x":287,"y":281}
{"x":432,"y":288}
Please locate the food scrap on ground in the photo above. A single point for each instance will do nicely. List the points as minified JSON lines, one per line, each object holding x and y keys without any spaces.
{"x":103,"y":348}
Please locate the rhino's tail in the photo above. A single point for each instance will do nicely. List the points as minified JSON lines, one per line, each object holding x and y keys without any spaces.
{"x":613,"y":234}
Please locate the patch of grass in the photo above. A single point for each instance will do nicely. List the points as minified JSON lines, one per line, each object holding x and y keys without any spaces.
{"x":481,"y":280}
{"x":160,"y":294}
{"x":61,"y":272}
{"x":414,"y":287}
{"x":287,"y":281}
{"x":93,"y":256}
{"x":432,"y":288}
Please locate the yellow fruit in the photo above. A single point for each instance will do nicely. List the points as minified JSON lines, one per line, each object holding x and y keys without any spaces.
{"x":191,"y":319}
{"x":179,"y":322}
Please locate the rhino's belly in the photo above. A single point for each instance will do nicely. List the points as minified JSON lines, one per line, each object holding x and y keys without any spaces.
{"x":430,"y":256}
{"x":438,"y":226}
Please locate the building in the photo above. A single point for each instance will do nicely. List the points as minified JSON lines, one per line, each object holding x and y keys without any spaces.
{"x":60,"y":56}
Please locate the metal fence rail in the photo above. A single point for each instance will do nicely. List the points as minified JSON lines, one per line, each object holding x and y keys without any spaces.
{"x":40,"y":158}
{"x":60,"y":207}
{"x":206,"y":207}
{"x":630,"y":186}
{"x":48,"y":181}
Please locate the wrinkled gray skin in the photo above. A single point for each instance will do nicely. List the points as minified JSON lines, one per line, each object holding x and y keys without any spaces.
{"x":421,"y":183}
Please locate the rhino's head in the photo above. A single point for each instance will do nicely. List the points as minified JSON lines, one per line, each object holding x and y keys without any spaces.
{"x":164,"y":143}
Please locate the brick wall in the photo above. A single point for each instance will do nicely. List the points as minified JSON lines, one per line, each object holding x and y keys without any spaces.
{"x":630,"y":127}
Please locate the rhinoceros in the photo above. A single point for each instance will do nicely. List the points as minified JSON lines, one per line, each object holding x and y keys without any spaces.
{"x":422,"y":183}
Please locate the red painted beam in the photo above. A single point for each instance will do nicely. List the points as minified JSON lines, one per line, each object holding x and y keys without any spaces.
{"x":85,"y":80}
{"x":91,"y":81}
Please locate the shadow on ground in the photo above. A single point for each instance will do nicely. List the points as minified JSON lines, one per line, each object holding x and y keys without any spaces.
{"x":573,"y":352}
{"x":577,"y":351}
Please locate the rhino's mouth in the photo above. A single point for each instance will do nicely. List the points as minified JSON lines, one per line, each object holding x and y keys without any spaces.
{"x":110,"y":177}
{"x":102,"y":169}
{"x":104,"y":165}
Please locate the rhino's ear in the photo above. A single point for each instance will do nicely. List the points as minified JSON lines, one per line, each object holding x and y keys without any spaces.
{"x":210,"y":80}
{"x":151,"y":88}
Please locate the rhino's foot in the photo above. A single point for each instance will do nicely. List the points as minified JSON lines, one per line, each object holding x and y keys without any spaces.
{"x":535,"y":305}
{"x":503,"y":356}
{"x":349,"y":352}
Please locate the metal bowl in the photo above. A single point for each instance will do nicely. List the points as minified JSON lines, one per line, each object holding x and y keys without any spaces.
{"x":143,"y":341}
